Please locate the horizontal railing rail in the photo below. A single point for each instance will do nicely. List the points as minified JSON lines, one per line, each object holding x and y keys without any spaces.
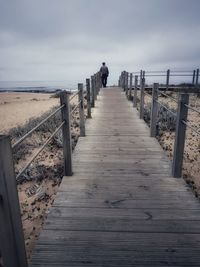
{"x":193,"y":109}
{"x":46,"y":142}
{"x":74,"y":95}
{"x":194,"y":74}
{"x":192,"y":128}
{"x":40,"y":150}
{"x":75,"y":108}
{"x":36,"y":127}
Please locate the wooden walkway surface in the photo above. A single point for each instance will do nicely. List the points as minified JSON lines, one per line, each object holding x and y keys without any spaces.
{"x":121,"y":207}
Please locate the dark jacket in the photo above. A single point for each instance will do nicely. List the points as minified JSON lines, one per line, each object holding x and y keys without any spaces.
{"x":104,"y":70}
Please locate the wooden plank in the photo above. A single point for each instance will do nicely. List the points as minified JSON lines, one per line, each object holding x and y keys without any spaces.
{"x":133,"y":214}
{"x":64,"y":199}
{"x":118,"y":247}
{"x":116,"y":199}
{"x":139,"y":239}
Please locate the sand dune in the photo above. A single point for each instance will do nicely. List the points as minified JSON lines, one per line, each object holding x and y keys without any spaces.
{"x":17,"y":108}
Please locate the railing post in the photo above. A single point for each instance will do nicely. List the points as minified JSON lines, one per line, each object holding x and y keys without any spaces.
{"x":193,"y":77}
{"x":154,"y":110}
{"x":92,"y":91}
{"x":141,"y":73}
{"x":88,"y":98}
{"x":126,"y":83}
{"x":167,"y":79}
{"x":197,"y":77}
{"x":180,"y":135}
{"x":135,"y":92}
{"x":131,"y":85}
{"x":66,"y":133}
{"x":81,"y":110}
{"x":11,"y":231}
{"x":124,"y":87}
{"x":100,"y":85}
{"x":120,"y":80}
{"x":124,"y":80}
{"x":96,"y":75}
{"x":95,"y":86}
{"x":142,"y":98}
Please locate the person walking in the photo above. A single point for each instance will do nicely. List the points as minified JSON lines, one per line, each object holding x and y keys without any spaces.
{"x":104,"y":74}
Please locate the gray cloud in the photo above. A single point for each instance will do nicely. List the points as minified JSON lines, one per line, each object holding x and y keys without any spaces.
{"x":68,"y":40}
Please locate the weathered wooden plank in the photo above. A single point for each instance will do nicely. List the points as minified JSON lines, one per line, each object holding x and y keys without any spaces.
{"x":133,"y":214}
{"x":139,"y":239}
{"x":132,"y":144}
{"x":116,"y":197}
{"x":64,"y":199}
{"x":124,"y":225}
{"x":131,"y":248}
{"x":147,"y":185}
{"x":119,"y":159}
{"x":132,"y":256}
{"x":139,"y":153}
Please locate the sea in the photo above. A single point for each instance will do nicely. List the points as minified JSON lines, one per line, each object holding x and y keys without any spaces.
{"x":36,"y":86}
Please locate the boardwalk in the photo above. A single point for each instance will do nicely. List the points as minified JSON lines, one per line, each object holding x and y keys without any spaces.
{"x":121,"y":207}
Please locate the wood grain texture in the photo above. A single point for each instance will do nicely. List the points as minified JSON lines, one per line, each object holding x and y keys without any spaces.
{"x":66,"y":136}
{"x":121,"y":207}
{"x":12,"y":246}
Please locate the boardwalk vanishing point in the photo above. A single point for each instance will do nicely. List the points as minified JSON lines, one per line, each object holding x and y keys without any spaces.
{"x":121,"y":207}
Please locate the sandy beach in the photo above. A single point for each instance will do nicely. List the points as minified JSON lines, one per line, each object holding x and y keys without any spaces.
{"x":17,"y":108}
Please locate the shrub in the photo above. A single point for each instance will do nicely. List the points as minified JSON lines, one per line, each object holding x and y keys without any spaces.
{"x":166,"y":121}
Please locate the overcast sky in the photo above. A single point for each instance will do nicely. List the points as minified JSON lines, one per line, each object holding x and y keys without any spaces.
{"x":67,"y":40}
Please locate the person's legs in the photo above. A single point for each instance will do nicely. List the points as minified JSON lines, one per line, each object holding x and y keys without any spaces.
{"x":102,"y":80}
{"x":105,"y":80}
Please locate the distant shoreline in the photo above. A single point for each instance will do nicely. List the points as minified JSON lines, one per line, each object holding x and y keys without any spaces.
{"x":30,"y":90}
{"x":34,"y":90}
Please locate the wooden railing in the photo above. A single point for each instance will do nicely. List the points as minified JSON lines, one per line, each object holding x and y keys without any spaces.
{"x":142,"y":74}
{"x":182,"y":102}
{"x":12,"y":246}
